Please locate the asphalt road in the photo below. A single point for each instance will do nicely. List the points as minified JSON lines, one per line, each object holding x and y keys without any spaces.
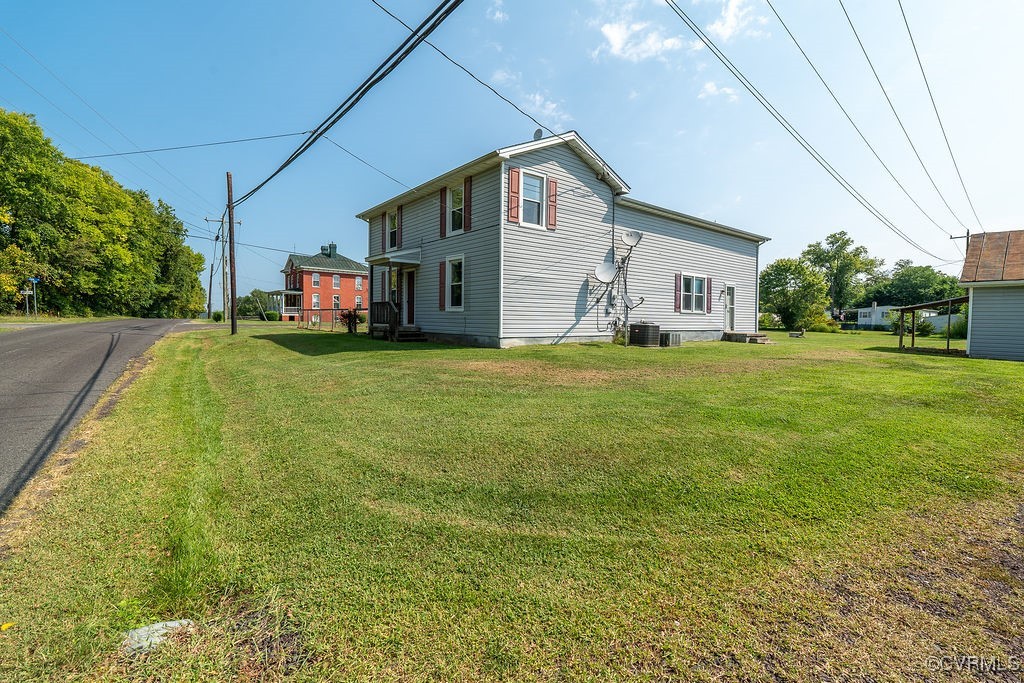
{"x":50,"y":376}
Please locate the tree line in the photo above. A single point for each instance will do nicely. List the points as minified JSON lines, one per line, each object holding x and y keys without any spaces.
{"x":97,"y":247}
{"x":832,"y":276}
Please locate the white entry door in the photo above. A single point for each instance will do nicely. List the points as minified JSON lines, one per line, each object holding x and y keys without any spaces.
{"x":730,"y":308}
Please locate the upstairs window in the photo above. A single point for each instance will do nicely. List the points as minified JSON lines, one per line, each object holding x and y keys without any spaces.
{"x":392,"y":231}
{"x":533,"y":199}
{"x":456,"y":204}
{"x":316,"y":279}
{"x":336,"y":282}
{"x":359,"y":282}
{"x":336,"y":301}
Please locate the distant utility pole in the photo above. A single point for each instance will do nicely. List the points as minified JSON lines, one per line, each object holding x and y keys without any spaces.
{"x":231,"y":249}
{"x":209,"y":290}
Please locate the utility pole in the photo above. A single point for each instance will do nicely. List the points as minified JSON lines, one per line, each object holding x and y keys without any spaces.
{"x":224,"y":281}
{"x":231,"y":249}
{"x":209,"y":290}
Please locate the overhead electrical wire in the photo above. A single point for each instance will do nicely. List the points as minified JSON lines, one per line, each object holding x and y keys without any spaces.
{"x":95,"y":111}
{"x":426,"y":27}
{"x":892,"y":107}
{"x":202,"y":144}
{"x":468,"y":72}
{"x":849,"y":118}
{"x":763,"y":101}
{"x":85,"y":128}
{"x":938,"y":118}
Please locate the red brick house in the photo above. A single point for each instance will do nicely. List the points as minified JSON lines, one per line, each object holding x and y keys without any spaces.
{"x":326,"y":280}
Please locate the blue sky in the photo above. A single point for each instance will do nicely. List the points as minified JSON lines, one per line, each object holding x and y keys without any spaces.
{"x":627,"y":75}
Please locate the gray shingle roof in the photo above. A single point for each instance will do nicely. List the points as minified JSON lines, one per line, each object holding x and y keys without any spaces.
{"x":321,"y":262}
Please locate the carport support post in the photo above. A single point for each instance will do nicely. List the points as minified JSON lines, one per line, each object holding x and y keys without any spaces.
{"x":913,"y":329}
{"x":902,"y":317}
{"x":949,"y":318}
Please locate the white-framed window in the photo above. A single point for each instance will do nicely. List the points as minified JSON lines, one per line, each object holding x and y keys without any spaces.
{"x":336,"y":282}
{"x":392,"y":231}
{"x":316,"y":301}
{"x":455,"y":295}
{"x":359,"y":283}
{"x":692,"y":297}
{"x":533,"y":199}
{"x":456,"y":204}
{"x":336,"y":301}
{"x":316,"y":279}
{"x":359,"y":302}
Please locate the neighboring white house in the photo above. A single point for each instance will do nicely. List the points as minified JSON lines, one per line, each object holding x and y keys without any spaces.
{"x":993,"y":275}
{"x":870,"y":317}
{"x":502,"y":251}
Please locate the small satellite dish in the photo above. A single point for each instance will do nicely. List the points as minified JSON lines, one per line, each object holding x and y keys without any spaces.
{"x":628,"y":300}
{"x":631,"y":238}
{"x":606,"y":272}
{"x":538,"y":134}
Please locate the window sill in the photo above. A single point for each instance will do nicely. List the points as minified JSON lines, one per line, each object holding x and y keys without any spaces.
{"x":455,"y":309}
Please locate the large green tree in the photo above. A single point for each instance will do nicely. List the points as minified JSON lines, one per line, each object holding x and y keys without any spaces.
{"x":795,"y":291}
{"x":845,"y":266}
{"x":908,"y":284}
{"x":97,"y":246}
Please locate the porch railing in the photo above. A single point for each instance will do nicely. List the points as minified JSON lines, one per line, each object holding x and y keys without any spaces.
{"x":333,"y":319}
{"x":384,"y":313}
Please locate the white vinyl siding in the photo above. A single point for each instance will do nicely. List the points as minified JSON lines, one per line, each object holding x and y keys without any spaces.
{"x":548,"y":290}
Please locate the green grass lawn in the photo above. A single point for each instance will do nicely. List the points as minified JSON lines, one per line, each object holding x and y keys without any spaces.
{"x":326,"y":507}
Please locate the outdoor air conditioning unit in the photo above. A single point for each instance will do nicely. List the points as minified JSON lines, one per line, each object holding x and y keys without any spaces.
{"x":671,"y":338}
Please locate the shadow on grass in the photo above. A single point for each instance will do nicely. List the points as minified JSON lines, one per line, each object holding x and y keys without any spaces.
{"x":323,"y":344}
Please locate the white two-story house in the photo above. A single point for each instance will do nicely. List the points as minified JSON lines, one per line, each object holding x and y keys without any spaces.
{"x":502,"y":251}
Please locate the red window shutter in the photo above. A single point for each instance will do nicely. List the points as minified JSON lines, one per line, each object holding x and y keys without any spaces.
{"x":513,"y":195}
{"x":679,"y":293}
{"x":467,"y":204}
{"x":399,"y":221}
{"x":384,"y":232}
{"x":707,"y":293}
{"x":444,"y":212}
{"x":552,"y":202}
{"x":442,"y":271}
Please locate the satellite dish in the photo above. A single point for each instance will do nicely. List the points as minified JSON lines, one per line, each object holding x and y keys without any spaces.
{"x":606,"y":272}
{"x":631,"y":238}
{"x":628,"y":300}
{"x":538,"y":134}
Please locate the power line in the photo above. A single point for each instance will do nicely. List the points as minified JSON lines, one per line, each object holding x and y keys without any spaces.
{"x":203,"y":144}
{"x":938,"y":118}
{"x":906,"y":134}
{"x":849,"y":118}
{"x":83,"y":126}
{"x":468,"y":72}
{"x":426,"y":27}
{"x":763,"y":101}
{"x":95,"y":111}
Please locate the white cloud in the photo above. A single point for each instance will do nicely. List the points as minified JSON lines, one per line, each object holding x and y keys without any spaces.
{"x":636,"y":41}
{"x":536,"y":102}
{"x":548,"y":111}
{"x":633,"y":94}
{"x":736,"y":16}
{"x":496,"y":11}
{"x":711,"y":89}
